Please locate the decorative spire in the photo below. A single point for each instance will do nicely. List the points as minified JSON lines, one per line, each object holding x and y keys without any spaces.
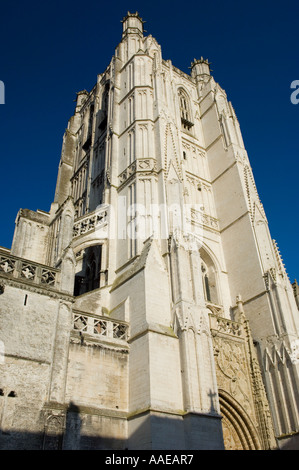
{"x":200,"y":68}
{"x":200,"y":61}
{"x":132,"y":24}
{"x":136,"y":15}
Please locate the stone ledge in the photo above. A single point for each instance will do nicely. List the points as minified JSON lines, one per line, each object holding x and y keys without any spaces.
{"x":84,"y":409}
{"x":177,"y":413}
{"x":91,"y":341}
{"x":38,"y":289}
{"x":154,"y":328}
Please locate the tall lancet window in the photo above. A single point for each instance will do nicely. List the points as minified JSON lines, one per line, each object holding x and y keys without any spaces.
{"x":206,"y":283}
{"x":185,"y":110}
{"x":209,"y":277}
{"x":88,"y":270}
{"x":131,"y":137}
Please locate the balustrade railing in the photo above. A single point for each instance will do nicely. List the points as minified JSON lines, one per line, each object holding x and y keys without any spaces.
{"x":91,"y":221}
{"x":100,"y":327}
{"x":20,"y":268}
{"x":225,"y":325}
{"x":204,"y":219}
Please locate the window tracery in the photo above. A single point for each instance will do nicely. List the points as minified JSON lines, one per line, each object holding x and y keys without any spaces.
{"x":185,"y":110}
{"x":209,"y":279}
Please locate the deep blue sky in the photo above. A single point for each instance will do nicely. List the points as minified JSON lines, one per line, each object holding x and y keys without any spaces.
{"x":50,"y":50}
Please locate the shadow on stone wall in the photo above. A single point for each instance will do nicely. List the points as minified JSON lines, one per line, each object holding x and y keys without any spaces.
{"x":19,"y":440}
{"x":55,"y":439}
{"x":74,"y":430}
{"x":149,"y":432}
{"x":289,"y":443}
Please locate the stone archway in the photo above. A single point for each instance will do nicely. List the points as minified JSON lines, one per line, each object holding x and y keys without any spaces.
{"x":239,"y":432}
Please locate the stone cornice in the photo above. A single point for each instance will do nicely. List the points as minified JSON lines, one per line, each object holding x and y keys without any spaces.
{"x":38,"y":289}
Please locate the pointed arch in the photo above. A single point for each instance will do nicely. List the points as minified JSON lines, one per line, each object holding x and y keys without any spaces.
{"x":89,"y":268}
{"x":185,"y":109}
{"x":204,"y":248}
{"x":238,"y":430}
{"x":210,"y":278}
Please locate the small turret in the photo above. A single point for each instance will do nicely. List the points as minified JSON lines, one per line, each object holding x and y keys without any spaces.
{"x":132,"y":24}
{"x":200,"y":69}
{"x":81,"y":98}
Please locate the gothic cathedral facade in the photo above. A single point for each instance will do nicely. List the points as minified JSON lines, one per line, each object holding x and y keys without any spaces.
{"x":149,"y":308}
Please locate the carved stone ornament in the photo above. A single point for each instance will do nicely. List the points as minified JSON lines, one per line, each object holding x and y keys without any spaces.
{"x":54,"y":429}
{"x":232,"y":374}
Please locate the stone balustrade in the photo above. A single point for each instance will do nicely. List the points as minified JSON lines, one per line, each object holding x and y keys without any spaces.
{"x":204,"y":219}
{"x":26,"y":270}
{"x":99,"y":327}
{"x":90,"y":222}
{"x":225,"y":325}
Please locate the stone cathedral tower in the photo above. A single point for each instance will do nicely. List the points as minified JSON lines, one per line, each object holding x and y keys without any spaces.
{"x":149,"y":308}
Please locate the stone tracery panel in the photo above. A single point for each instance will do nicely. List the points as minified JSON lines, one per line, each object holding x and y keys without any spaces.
{"x":236,"y":385}
{"x":100,"y":327}
{"x":18,"y":268}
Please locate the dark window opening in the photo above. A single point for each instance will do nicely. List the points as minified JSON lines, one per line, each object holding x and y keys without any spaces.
{"x":185,"y":111}
{"x":103,"y":123}
{"x":207,"y":288}
{"x":88,"y":278}
{"x":87,"y":143}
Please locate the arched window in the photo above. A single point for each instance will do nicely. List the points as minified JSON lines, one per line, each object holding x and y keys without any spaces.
{"x":207,"y":288}
{"x":92,"y":280}
{"x":89,"y":268}
{"x":185,"y":111}
{"x":209,"y":279}
{"x":206,"y":283}
{"x":105,"y":98}
{"x":103,"y":111}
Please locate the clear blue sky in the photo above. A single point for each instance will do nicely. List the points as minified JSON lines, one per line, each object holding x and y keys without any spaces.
{"x":50,"y":50}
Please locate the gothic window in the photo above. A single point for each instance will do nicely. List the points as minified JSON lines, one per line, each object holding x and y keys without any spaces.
{"x":102,"y":114}
{"x":206,"y":284}
{"x":207,"y":288}
{"x":131,"y":76}
{"x":209,"y":279}
{"x":87,"y":142}
{"x":88,"y":278}
{"x":131,"y":137}
{"x":132,"y":220}
{"x":131,"y":109}
{"x":185,"y":111}
{"x":224,"y":131}
{"x":105,"y":98}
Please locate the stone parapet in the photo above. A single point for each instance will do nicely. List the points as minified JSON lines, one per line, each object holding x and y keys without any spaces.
{"x":99,"y":327}
{"x":13,"y":267}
